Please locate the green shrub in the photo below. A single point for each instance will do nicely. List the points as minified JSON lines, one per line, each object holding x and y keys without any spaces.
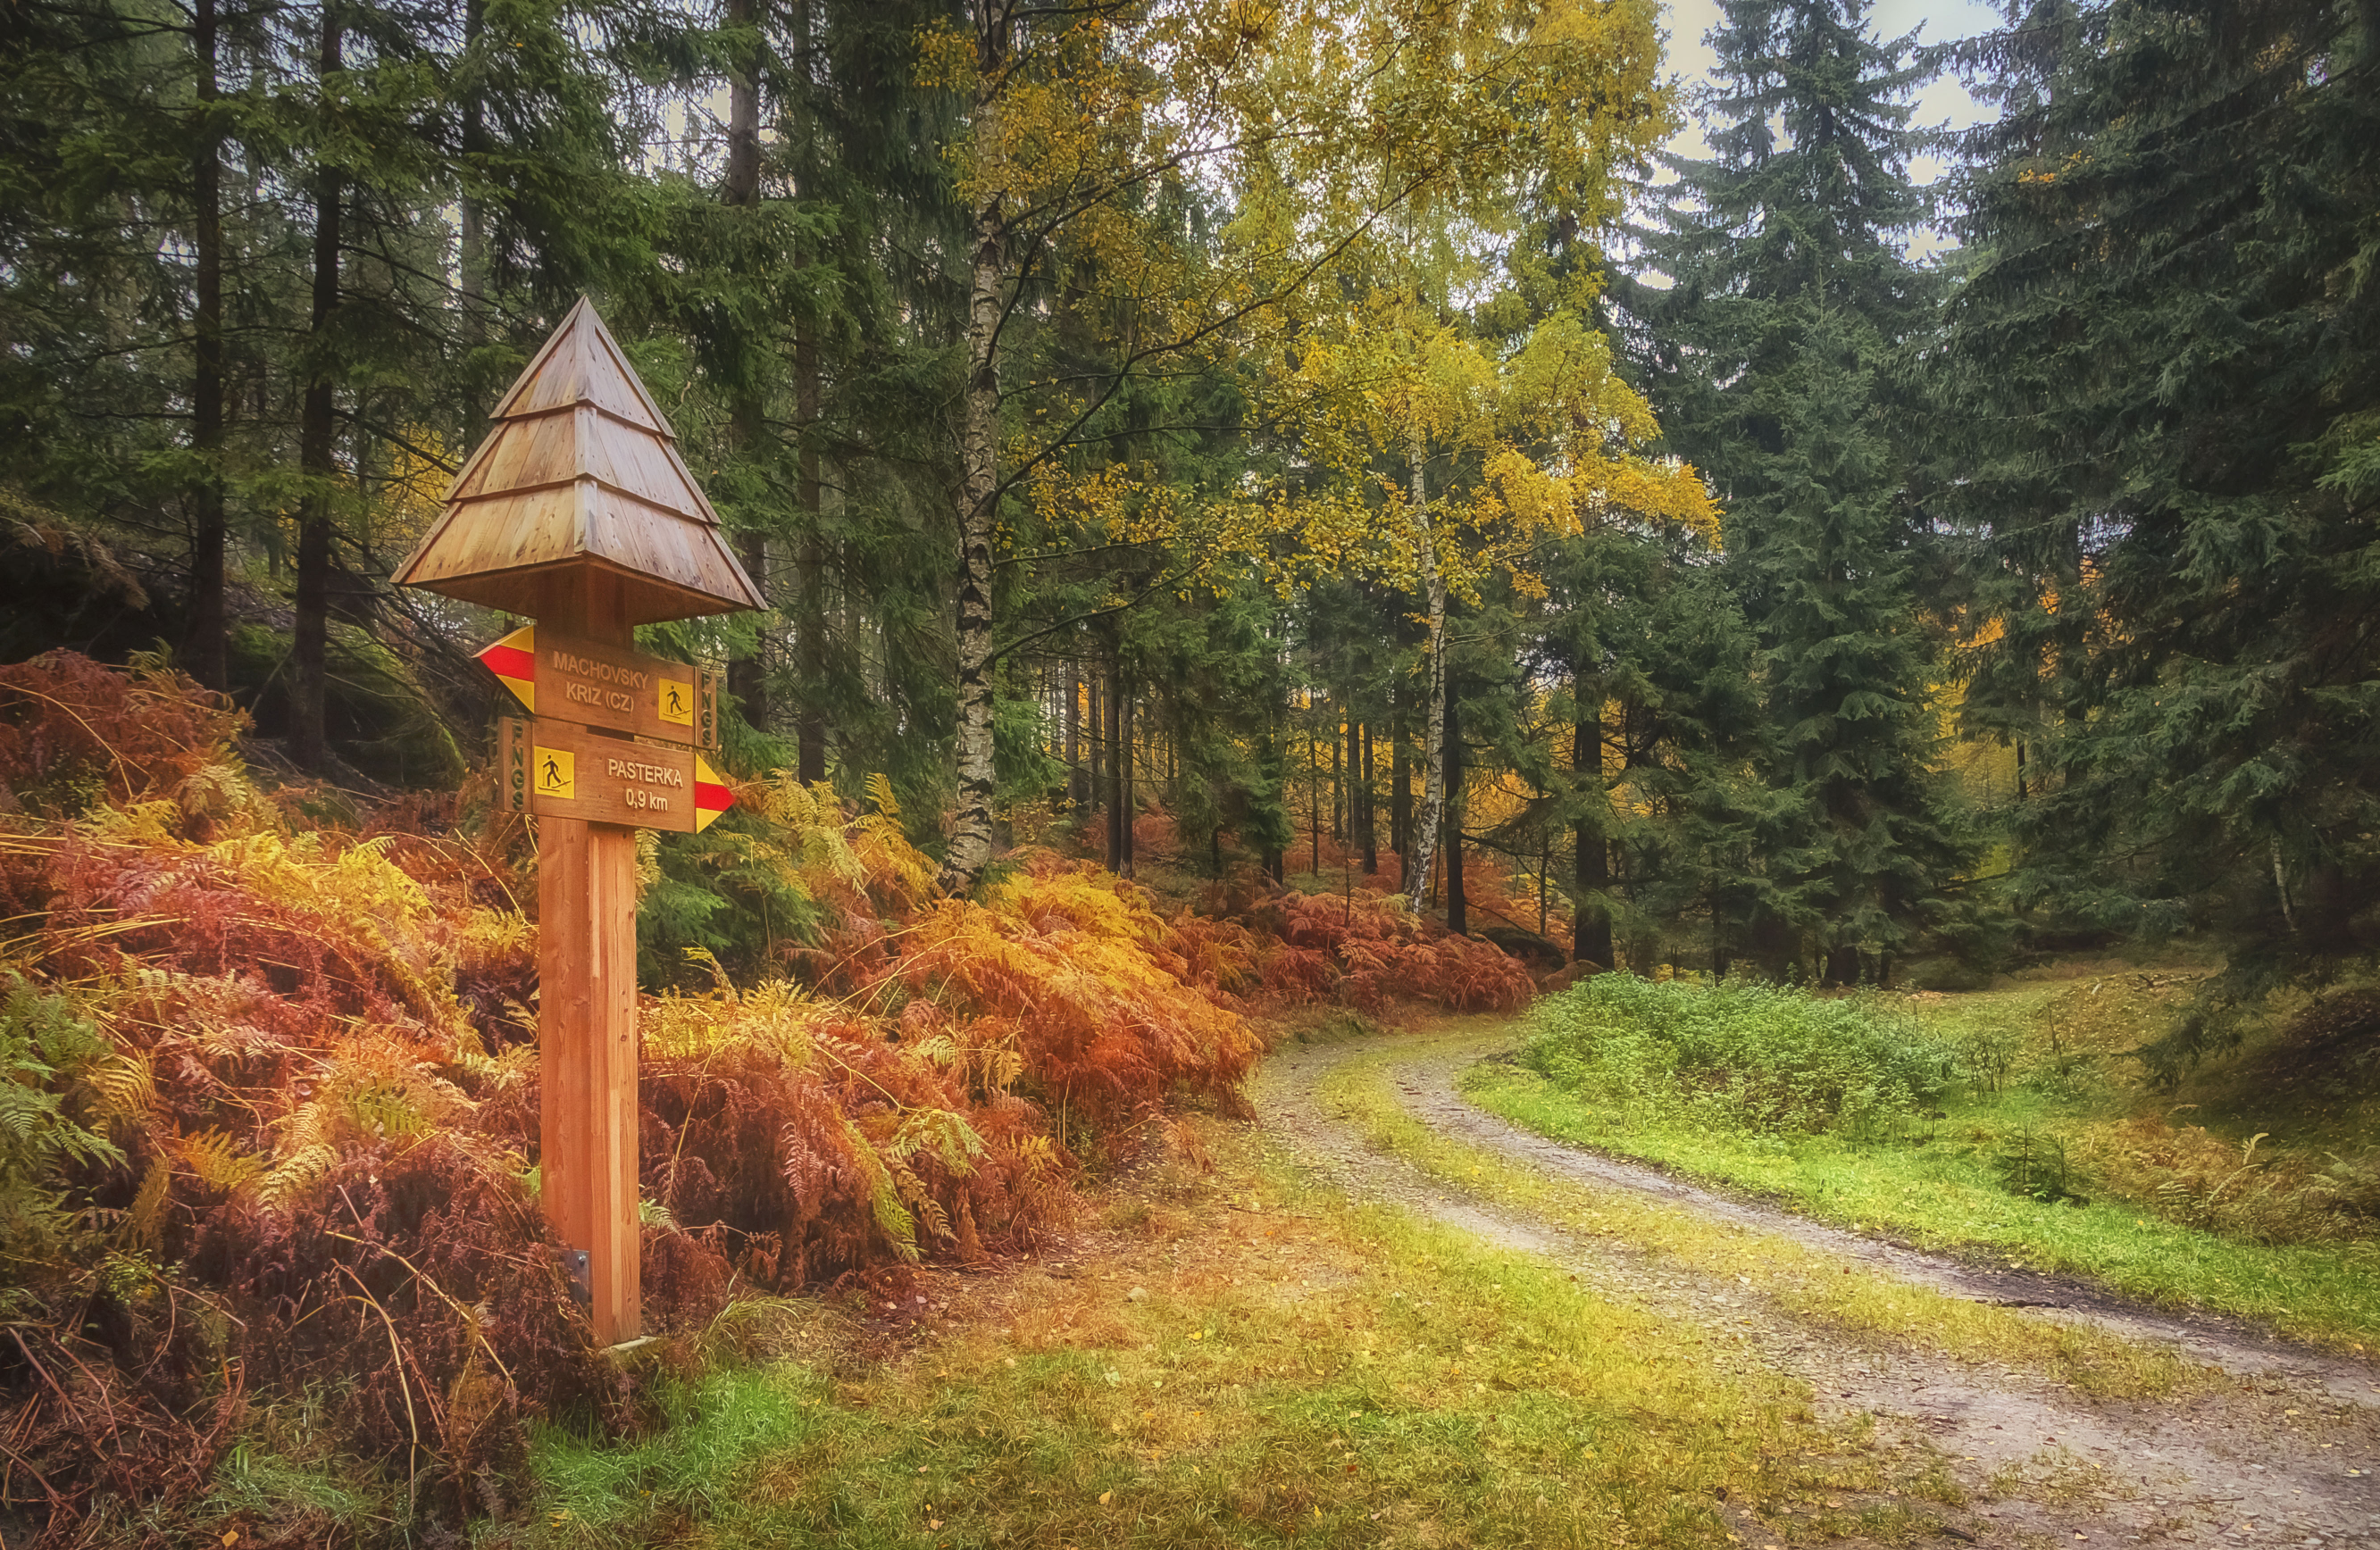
{"x":2033,"y":1164}
{"x":48,"y":1058}
{"x":1753,"y":1059}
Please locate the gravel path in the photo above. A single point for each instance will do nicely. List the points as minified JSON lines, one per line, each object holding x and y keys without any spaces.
{"x":2264,"y":1460}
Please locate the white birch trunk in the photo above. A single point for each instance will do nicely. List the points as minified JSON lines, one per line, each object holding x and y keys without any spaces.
{"x":971,"y":835}
{"x":1432,"y":817}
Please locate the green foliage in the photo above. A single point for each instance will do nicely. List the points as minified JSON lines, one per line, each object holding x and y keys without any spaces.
{"x":2033,"y":1164}
{"x":2089,"y":1173}
{"x":2160,"y":390}
{"x":51,"y":1058}
{"x":1770,"y":358}
{"x":1737,"y":1058}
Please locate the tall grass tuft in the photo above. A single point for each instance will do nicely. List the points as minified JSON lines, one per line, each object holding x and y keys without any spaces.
{"x":1739,"y":1057}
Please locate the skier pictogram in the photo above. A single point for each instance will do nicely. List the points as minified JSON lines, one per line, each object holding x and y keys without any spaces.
{"x":674,"y":703}
{"x":557,"y":772}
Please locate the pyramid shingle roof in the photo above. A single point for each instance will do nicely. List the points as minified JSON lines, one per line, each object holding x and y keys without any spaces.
{"x":577,"y":501}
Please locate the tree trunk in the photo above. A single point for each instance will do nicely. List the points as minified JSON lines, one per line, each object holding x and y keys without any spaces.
{"x":1458,"y":914}
{"x":1127,"y":799}
{"x":1591,"y":922}
{"x":1315,"y":809}
{"x":748,"y":675}
{"x":1843,"y":965}
{"x":1545,"y":874}
{"x":203,"y":647}
{"x":970,"y":846}
{"x":1366,"y":830}
{"x":309,"y":647}
{"x":1435,"y":739}
{"x":809,"y":580}
{"x":1400,"y":796}
{"x":473,"y":260}
{"x":1078,"y":785}
{"x":811,"y":568}
{"x":1341,"y":820}
{"x":1272,"y":765}
{"x":1112,"y":735}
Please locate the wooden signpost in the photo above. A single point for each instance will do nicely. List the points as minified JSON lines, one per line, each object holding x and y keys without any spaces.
{"x":578,"y":512}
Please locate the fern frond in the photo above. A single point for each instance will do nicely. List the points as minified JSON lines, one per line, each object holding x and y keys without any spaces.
{"x":281,"y":1185}
{"x":1039,"y":1155}
{"x":710,"y":960}
{"x":951,"y":1141}
{"x":935,"y":1220}
{"x":154,"y":825}
{"x":124,"y":1083}
{"x":893,"y":1218}
{"x":215,"y":1158}
{"x":146,"y":1216}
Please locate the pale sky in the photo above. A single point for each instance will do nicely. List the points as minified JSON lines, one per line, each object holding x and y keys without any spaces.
{"x":1944,"y":101}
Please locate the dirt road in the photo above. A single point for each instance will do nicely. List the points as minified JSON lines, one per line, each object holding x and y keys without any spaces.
{"x":2284,"y":1452}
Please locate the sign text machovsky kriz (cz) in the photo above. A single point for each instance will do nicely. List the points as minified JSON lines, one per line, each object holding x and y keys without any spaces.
{"x":563,"y":678}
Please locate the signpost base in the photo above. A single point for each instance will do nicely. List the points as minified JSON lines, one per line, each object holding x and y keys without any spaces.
{"x":587,"y":1049}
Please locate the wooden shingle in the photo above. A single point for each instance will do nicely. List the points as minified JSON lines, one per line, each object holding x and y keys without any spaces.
{"x":578,"y":499}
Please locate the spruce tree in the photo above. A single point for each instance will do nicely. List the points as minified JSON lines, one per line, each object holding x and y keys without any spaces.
{"x":1768,"y":360}
{"x":2164,"y":392}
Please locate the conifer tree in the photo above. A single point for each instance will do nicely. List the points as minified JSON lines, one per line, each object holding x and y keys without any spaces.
{"x":2163,"y":393}
{"x":1768,"y":360}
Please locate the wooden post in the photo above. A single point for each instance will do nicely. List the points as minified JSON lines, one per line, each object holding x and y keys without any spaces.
{"x":587,"y":1048}
{"x":587,"y":1044}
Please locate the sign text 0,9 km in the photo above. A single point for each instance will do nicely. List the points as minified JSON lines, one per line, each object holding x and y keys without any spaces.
{"x":551,"y":769}
{"x":566,"y":678}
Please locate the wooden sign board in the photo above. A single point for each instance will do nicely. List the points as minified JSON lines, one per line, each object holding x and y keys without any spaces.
{"x":568,"y":678}
{"x":551,"y":769}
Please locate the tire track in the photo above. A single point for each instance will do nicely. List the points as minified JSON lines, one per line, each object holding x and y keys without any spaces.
{"x":2263,"y":1459}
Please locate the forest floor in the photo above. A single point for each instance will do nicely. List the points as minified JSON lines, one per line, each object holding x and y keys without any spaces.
{"x":2059,"y":1411}
{"x":1379,"y":1317}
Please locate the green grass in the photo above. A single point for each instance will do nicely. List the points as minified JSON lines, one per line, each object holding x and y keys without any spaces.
{"x":1807,"y":1282}
{"x":1942,"y":1188}
{"x":1297,"y":1371}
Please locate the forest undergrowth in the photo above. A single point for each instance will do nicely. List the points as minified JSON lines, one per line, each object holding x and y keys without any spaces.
{"x":267,"y":1181}
{"x":2089,"y":1125}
